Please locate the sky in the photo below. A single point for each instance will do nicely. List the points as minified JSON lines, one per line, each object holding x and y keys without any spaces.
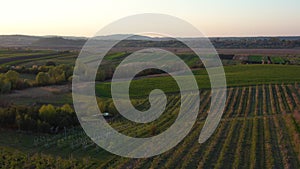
{"x":213,"y":18}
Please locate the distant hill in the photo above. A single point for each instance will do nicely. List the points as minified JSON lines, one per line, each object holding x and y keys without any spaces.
{"x":17,"y":40}
{"x":76,"y":43}
{"x":132,"y":37}
{"x":41,"y":42}
{"x":58,"y":43}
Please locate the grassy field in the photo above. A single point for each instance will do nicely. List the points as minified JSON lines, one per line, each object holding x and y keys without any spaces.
{"x":239,"y":75}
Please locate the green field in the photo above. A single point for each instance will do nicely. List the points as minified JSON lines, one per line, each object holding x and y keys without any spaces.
{"x":239,"y":75}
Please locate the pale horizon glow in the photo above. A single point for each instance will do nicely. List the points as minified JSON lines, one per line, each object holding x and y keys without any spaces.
{"x":218,"y":18}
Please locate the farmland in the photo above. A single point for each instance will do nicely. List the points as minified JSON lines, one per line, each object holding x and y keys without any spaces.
{"x":238,"y":75}
{"x":133,"y":84}
{"x":19,"y":59}
{"x":258,"y":129}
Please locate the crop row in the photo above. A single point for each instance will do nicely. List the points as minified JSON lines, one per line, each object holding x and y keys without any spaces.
{"x":258,"y":130}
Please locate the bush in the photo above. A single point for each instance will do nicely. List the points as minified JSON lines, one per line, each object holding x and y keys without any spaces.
{"x":42,"y":78}
{"x":5,"y":86}
{"x":13,"y":77}
{"x":48,"y":114}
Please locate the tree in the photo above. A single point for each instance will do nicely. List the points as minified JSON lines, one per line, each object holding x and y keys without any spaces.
{"x":13,"y":77}
{"x":48,"y":114}
{"x":57,"y":75}
{"x":22,"y":84}
{"x":42,"y":78}
{"x":67,"y":108}
{"x":5,"y":86}
{"x":68,"y":69}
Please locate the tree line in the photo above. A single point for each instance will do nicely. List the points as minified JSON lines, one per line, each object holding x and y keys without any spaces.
{"x":11,"y":80}
{"x":47,"y":75}
{"x":45,"y":118}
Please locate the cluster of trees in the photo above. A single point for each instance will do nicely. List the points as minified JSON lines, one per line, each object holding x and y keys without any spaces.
{"x":46,"y":75}
{"x":11,"y":80}
{"x":46,"y":118}
{"x":20,"y":69}
{"x":105,"y":72}
{"x":54,"y":75}
{"x":28,"y":70}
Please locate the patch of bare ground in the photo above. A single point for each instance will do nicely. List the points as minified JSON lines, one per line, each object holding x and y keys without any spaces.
{"x":37,"y":92}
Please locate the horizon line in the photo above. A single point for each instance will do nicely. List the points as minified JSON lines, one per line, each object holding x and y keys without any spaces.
{"x":230,"y":36}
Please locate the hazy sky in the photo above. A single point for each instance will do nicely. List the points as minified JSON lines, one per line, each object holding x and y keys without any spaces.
{"x":212,"y":17}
